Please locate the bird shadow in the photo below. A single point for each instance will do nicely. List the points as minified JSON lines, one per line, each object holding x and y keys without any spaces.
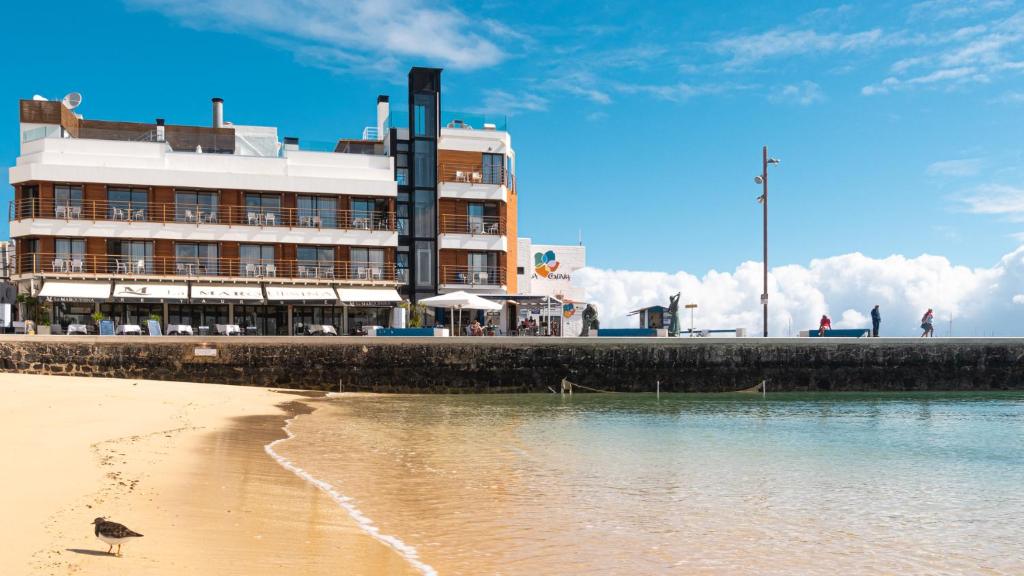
{"x":88,"y":552}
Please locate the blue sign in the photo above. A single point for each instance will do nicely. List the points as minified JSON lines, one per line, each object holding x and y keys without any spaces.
{"x":106,"y":327}
{"x":154,"y":327}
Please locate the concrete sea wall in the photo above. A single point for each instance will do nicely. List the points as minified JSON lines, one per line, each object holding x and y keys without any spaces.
{"x":467,"y":365}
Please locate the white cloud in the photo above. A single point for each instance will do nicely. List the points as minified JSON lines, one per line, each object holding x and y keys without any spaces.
{"x":346,"y":35}
{"x":949,"y":9}
{"x":578,"y":83}
{"x":502,"y":102}
{"x":996,"y":199}
{"x":750,"y":49}
{"x":962,"y":167}
{"x":803,"y":94}
{"x":980,"y":300}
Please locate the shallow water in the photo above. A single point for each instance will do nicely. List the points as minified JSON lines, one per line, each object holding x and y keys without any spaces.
{"x":688,"y":484}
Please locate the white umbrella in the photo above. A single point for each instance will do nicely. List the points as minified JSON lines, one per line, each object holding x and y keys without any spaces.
{"x":458,"y":301}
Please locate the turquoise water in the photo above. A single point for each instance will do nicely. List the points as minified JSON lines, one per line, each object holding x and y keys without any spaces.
{"x":688,"y":484}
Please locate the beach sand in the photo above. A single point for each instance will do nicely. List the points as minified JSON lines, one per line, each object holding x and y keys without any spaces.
{"x":184,"y":464}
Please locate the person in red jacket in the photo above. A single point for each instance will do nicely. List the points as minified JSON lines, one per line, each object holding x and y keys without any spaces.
{"x":824,"y":325}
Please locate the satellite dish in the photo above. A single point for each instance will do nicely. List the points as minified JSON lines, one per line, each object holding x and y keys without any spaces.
{"x":39,"y":98}
{"x":72,"y":100}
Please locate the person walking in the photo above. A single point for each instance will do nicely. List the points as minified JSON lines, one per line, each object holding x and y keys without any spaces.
{"x":824,"y":325}
{"x":876,"y":321}
{"x":926,"y":324}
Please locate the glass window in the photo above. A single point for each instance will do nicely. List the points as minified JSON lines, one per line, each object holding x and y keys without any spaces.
{"x":403,"y":219}
{"x":127,"y":203}
{"x":27,"y":254}
{"x":424,"y":214}
{"x":195,"y":259}
{"x":133,"y":256}
{"x":492,"y":168}
{"x":266,"y":320}
{"x":425,"y":264}
{"x":67,"y":201}
{"x":317,"y":211}
{"x":424,"y":120}
{"x":424,"y":164}
{"x":195,"y":206}
{"x":69,"y":250}
{"x":29,"y":202}
{"x":263,"y":209}
{"x":402,"y":267}
{"x":208,"y":315}
{"x":367,"y":212}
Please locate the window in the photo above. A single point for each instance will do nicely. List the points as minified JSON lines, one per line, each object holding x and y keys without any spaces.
{"x":27,"y":254}
{"x":510,"y":172}
{"x":403,"y":219}
{"x":424,"y":214}
{"x":195,"y":259}
{"x":29,"y":207}
{"x":67,"y":201}
{"x":195,"y":206}
{"x":263,"y":209}
{"x":135,"y":256}
{"x":71,"y":250}
{"x":520,"y":270}
{"x":425,"y":264}
{"x":402,"y":165}
{"x":482,"y":218}
{"x":127,"y":203}
{"x":367,"y":212}
{"x":256,"y":253}
{"x":372,"y":256}
{"x":424,"y":164}
{"x":492,"y":165}
{"x":314,"y":255}
{"x":317,"y":211}
{"x":402,"y":267}
{"x":424,"y":119}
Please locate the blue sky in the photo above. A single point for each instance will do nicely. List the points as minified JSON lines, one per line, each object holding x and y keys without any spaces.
{"x":898,"y":125}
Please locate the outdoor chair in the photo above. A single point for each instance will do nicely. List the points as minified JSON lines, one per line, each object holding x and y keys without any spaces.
{"x":477,"y":177}
{"x":271,"y":270}
{"x":270,"y":219}
{"x":120,"y":266}
{"x":377,"y":273}
{"x":140,"y":266}
{"x":139,"y":215}
{"x":303,"y":272}
{"x":327,"y":271}
{"x":76,"y":212}
{"x":179,"y":269}
{"x":253,"y":218}
{"x":77,"y":265}
{"x":118,"y":213}
{"x":58,"y":265}
{"x":250,"y":270}
{"x":190,"y":216}
{"x":60,"y":211}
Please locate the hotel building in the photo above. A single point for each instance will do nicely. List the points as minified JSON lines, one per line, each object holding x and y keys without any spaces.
{"x":229,"y":224}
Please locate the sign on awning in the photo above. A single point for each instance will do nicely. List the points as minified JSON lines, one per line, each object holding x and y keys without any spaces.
{"x":75,"y":291}
{"x":302,"y":294}
{"x":368,"y":296}
{"x":175,"y":293}
{"x":218,"y":294}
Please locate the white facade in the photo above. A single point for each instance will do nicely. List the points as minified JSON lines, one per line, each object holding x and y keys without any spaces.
{"x":547,"y":269}
{"x":155,"y":164}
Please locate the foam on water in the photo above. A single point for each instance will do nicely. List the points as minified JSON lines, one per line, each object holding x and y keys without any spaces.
{"x":365,"y":523}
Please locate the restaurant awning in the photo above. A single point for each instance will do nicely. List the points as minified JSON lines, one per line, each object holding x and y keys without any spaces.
{"x":226,"y":294}
{"x":368,"y":296}
{"x":173,"y":293}
{"x":302,"y":294}
{"x":55,"y":291}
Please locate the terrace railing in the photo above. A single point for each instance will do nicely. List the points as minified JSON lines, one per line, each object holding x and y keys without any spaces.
{"x":113,"y":265}
{"x":201,"y":214}
{"x":472,"y":275}
{"x":471,"y":172}
{"x":476,"y":225}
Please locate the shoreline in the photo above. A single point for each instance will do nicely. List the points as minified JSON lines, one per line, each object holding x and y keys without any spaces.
{"x":182,"y":463}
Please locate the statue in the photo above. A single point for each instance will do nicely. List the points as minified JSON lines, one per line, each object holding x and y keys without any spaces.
{"x":589,"y":320}
{"x":673,"y":310}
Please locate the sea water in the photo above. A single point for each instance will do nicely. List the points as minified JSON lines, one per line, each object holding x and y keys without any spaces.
{"x":685,"y":484}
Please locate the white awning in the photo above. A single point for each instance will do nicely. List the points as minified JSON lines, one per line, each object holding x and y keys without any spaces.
{"x":373,"y":295}
{"x":311,"y":294}
{"x":75,"y":291}
{"x":151,"y":292}
{"x":216,"y":293}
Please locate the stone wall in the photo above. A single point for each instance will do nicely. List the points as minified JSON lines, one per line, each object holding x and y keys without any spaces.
{"x":457,"y":365}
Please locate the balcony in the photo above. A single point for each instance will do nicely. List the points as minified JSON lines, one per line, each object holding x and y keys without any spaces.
{"x":462,"y":277}
{"x":464,"y":232}
{"x":106,"y":266}
{"x":201,"y":215}
{"x":471,"y":173}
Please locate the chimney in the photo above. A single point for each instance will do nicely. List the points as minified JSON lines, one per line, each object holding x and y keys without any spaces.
{"x":383,"y":112}
{"x":218,"y":112}
{"x":159,"y":129}
{"x":291,"y":143}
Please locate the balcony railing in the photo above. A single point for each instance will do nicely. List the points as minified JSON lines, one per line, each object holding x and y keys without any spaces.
{"x":201,"y":214}
{"x":472,"y":275}
{"x":476,"y":225}
{"x":471,"y":172}
{"x":107,"y":265}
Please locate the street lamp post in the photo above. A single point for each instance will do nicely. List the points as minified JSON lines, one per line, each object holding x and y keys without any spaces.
{"x":762,"y":179}
{"x":692,"y":307}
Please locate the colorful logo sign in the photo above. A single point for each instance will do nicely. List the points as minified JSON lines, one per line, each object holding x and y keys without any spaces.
{"x":568,"y":310}
{"x":545,"y":263}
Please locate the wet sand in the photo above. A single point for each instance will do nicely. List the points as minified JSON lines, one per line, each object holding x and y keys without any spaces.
{"x":184,"y":464}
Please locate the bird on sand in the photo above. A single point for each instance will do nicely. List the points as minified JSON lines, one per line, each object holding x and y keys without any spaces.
{"x":112,"y":533}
